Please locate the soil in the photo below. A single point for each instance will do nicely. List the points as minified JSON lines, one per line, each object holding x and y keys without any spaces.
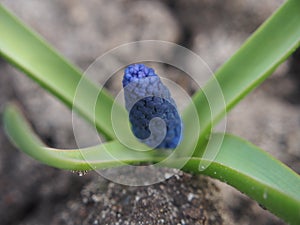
{"x":32,"y":193}
{"x":105,"y":202}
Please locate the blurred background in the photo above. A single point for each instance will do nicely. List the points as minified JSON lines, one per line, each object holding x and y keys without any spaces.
{"x":32,"y":193}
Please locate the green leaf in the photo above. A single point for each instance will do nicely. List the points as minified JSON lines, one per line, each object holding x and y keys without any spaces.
{"x":31,"y":54}
{"x":109,"y":154}
{"x":257,"y":58}
{"x":255,"y":173}
{"x":238,"y":163}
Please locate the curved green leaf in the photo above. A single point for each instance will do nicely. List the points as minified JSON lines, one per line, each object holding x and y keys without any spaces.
{"x":257,"y":58}
{"x":257,"y":174}
{"x":109,"y":154}
{"x":32,"y":55}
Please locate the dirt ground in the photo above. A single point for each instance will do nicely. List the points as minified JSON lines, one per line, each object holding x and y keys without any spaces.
{"x":32,"y":193}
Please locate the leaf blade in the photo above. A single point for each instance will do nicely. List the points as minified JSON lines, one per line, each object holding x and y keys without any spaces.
{"x":257,"y":58}
{"x":27,"y":51}
{"x":107,"y":155}
{"x":262,"y":177}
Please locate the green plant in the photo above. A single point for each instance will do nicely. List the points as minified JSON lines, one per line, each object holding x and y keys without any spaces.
{"x":238,"y":163}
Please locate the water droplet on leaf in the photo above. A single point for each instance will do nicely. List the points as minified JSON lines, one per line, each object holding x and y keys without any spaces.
{"x":201,"y":168}
{"x":80,"y":172}
{"x":265,"y":195}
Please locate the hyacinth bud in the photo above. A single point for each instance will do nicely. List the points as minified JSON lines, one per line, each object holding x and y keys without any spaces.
{"x":152,"y":111}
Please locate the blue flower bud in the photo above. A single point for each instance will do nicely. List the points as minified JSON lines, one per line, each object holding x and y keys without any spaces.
{"x":152,"y":111}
